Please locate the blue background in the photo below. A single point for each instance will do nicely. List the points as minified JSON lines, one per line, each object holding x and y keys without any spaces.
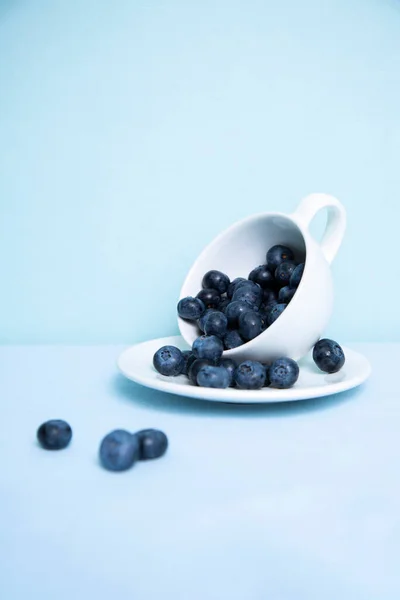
{"x":132,"y":132}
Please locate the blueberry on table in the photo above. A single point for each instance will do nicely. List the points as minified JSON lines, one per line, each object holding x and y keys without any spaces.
{"x":152,"y":443}
{"x":296,"y":276}
{"x":250,"y":325}
{"x":216,"y":281}
{"x":234,"y":310}
{"x":119,"y":450}
{"x":213,"y":377}
{"x":215,"y":323}
{"x":275,"y":312}
{"x":233,"y":339}
{"x":250,"y":375}
{"x":328,"y":356}
{"x":263,"y":276}
{"x":169,"y":361}
{"x":191,"y":308}
{"x":230,"y":366}
{"x":208,"y":346}
{"x":277,"y":255}
{"x":233,"y":284}
{"x":195,"y":367}
{"x":286,"y":294}
{"x":283,"y":373}
{"x":210,"y":298}
{"x":250,"y":294}
{"x":284,"y":272}
{"x":55,"y":434}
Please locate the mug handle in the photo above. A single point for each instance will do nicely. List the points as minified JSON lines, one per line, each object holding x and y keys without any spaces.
{"x":335,"y":225}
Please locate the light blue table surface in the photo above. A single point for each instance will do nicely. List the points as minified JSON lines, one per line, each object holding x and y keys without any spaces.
{"x":279,"y":502}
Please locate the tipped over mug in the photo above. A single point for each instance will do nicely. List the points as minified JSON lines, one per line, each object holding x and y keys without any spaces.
{"x":243,"y":246}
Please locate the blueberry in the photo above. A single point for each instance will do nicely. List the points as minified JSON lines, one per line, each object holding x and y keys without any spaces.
{"x":275,"y":312}
{"x":119,"y":450}
{"x":233,"y":284}
{"x":250,"y":375}
{"x":277,"y":255}
{"x":55,"y":434}
{"x":190,"y":361}
{"x":191,"y":308}
{"x":195,"y":368}
{"x":234,"y":310}
{"x":283,"y":373}
{"x":230,"y":366}
{"x":266,"y":309}
{"x":224,"y":305}
{"x":250,"y":325}
{"x":296,"y":276}
{"x":233,"y":339}
{"x":210,"y":298}
{"x":188,"y":358}
{"x":215,"y":323}
{"x":216,"y":281}
{"x":169,"y":361}
{"x":250,"y":294}
{"x":202,"y":319}
{"x":249,"y":284}
{"x":270,"y":296}
{"x":328,"y":356}
{"x":284,"y":272}
{"x":263,"y":276}
{"x":264,"y":320}
{"x":213,"y":377}
{"x":152,"y":443}
{"x":267,"y":379}
{"x":286,"y":294}
{"x":208,"y":346}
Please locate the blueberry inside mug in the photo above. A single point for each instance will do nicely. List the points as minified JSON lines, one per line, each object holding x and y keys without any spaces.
{"x":243,"y":246}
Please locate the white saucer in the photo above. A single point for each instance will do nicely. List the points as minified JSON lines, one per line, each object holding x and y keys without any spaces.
{"x":136,"y":363}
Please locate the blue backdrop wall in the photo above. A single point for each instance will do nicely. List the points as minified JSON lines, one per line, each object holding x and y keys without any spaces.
{"x":132,"y":132}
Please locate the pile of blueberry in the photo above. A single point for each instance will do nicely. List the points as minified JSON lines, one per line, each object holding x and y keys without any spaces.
{"x":205,"y":366}
{"x":119,"y":450}
{"x":229,"y":314}
{"x":238,"y":311}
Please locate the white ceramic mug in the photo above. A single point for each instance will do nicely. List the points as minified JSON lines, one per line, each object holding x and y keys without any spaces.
{"x":243,"y":247}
